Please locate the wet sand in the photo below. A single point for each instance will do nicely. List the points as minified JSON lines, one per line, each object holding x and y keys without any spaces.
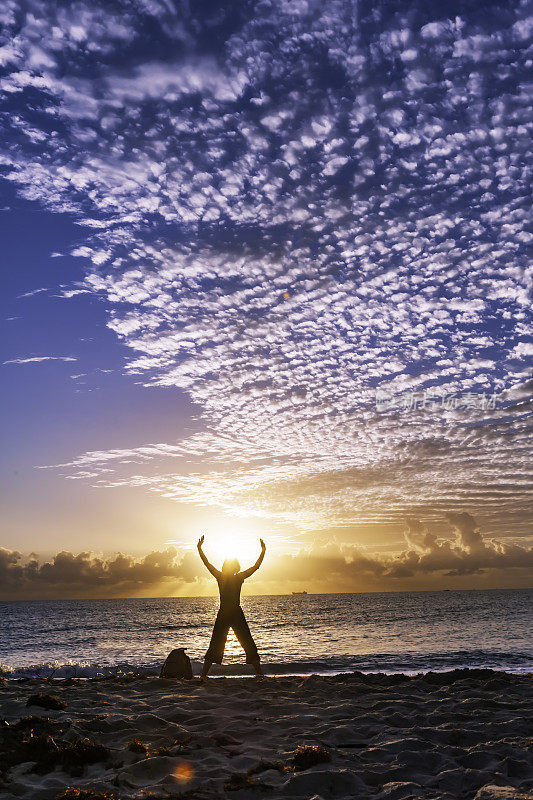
{"x":462,"y":734}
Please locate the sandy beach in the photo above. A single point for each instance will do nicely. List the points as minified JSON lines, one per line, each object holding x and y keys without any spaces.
{"x":462,"y":734}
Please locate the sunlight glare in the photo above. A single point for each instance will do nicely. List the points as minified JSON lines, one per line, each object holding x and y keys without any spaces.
{"x":222,"y":544}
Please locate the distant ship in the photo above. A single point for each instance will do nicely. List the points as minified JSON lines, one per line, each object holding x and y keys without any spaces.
{"x":304,"y":592}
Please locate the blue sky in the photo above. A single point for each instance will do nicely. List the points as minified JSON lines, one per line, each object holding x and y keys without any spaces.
{"x":224,"y":231}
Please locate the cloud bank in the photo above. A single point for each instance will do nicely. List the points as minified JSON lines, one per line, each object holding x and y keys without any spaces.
{"x":86,"y":575}
{"x":326,"y":566}
{"x":293,"y":205}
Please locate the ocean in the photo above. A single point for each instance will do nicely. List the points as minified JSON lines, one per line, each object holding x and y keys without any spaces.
{"x":296,"y":634}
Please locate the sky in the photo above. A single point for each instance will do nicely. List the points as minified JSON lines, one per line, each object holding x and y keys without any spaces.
{"x":265,"y":274}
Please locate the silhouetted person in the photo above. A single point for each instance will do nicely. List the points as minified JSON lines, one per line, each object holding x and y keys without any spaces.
{"x":230,"y":613}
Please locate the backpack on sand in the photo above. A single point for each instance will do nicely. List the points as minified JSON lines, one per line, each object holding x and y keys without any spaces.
{"x":177,"y":665}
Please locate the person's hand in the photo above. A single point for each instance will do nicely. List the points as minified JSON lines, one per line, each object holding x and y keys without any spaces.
{"x":200,"y":542}
{"x":263,"y":545}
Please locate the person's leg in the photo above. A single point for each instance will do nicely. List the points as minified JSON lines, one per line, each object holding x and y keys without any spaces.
{"x":215,"y":651}
{"x":258,"y":668}
{"x":242,"y":632}
{"x":205,"y":669}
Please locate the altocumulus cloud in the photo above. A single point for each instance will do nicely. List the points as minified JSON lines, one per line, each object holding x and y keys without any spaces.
{"x":291,"y":205}
{"x":167,"y":572}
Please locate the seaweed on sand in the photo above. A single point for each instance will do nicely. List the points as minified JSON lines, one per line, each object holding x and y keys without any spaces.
{"x":48,"y":701}
{"x":21,"y":741}
{"x":135,"y":746}
{"x":245,"y":780}
{"x":37,"y":739}
{"x":308,"y":755}
{"x":74,"y":756}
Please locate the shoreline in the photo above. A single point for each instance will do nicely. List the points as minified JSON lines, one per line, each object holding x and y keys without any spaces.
{"x":234,"y":671}
{"x":437,"y":736}
{"x":214,"y":675}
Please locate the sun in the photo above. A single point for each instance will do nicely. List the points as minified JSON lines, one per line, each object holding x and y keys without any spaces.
{"x":222,"y":544}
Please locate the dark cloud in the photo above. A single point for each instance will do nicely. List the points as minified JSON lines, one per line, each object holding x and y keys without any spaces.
{"x":86,"y":575}
{"x":468,"y":554}
{"x":426,"y":554}
{"x":166,"y":572}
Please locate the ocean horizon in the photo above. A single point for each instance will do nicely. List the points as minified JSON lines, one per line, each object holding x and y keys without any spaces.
{"x":268,"y":594}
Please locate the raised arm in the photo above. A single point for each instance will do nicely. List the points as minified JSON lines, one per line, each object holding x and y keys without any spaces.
{"x":250,"y":571}
{"x":213,"y":570}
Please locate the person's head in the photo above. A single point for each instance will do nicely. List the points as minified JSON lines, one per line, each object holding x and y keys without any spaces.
{"x":231,"y":566}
